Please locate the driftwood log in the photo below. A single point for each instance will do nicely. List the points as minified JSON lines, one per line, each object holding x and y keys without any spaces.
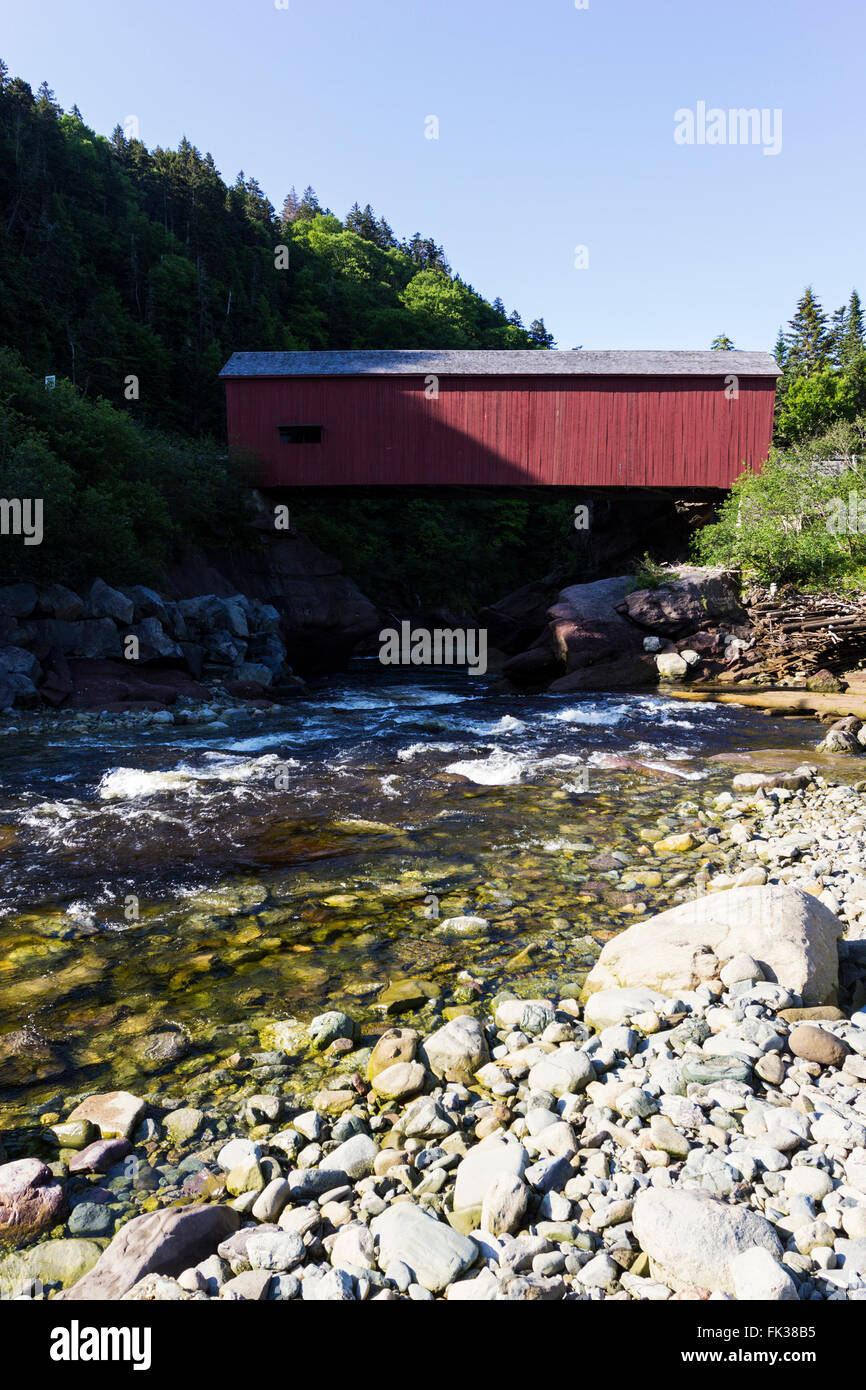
{"x":797,"y":635}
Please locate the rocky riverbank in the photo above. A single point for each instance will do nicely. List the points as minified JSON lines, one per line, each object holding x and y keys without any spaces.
{"x":240,"y":623}
{"x":693,"y":1127}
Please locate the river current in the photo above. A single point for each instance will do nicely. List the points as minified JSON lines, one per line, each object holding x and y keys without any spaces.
{"x":206,"y":878}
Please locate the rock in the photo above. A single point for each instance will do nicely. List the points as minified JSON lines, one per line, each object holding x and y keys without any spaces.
{"x":692,"y":1238}
{"x":272,"y":1199}
{"x":742,"y":967}
{"x":464,"y":926}
{"x":791,"y":935}
{"x":62,"y":1261}
{"x":817,"y":1045}
{"x":161,"y":1242}
{"x":667,"y":1138}
{"x":671,"y":666}
{"x":400,"y":1080}
{"x":115,"y":1113}
{"x":105,"y":602}
{"x":75,"y":1134}
{"x":335,"y":1286}
{"x":355,"y":1157}
{"x":30,"y":1200}
{"x":100,"y":1156}
{"x":251,"y":1285}
{"x":154,"y":643}
{"x":434,"y":1253}
{"x":237,"y":1151}
{"x":607,"y":1007}
{"x":180,"y":1125}
{"x":456,"y":1051}
{"x":276,"y":1251}
{"x":155,"y":1051}
{"x":505,"y":1205}
{"x":327,"y":1027}
{"x":758,"y":1276}
{"x":397,"y":1045}
{"x":26,"y":1057}
{"x":675,"y":844}
{"x":353,"y":1247}
{"x":59,"y":602}
{"x":685,"y":602}
{"x":17,"y":600}
{"x":91,"y":1219}
{"x":18,"y":661}
{"x":308,"y":1183}
{"x":563,"y":1072}
{"x":405,"y":995}
{"x":476,"y":1174}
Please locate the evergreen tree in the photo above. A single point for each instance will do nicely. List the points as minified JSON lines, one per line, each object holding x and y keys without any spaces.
{"x":310,"y":207}
{"x":851,"y":342}
{"x":499,"y":308}
{"x":722,"y":344}
{"x":539,"y":334}
{"x":836,"y":333}
{"x":807,"y":338}
{"x":515,"y":319}
{"x":780,"y":351}
{"x":291,"y":207}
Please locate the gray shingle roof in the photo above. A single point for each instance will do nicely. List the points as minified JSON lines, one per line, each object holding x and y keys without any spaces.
{"x":484,"y":362}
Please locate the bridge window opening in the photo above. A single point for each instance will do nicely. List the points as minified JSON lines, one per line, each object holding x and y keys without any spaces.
{"x":300,"y":434}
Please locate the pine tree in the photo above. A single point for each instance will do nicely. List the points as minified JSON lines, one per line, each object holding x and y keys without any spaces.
{"x":722,"y":344}
{"x":539,"y":334}
{"x":514,"y":317}
{"x":291,"y":207}
{"x":499,"y":307}
{"x":851,"y":342}
{"x":807,"y":338}
{"x":309,"y":205}
{"x":780,"y":351}
{"x":836,"y":333}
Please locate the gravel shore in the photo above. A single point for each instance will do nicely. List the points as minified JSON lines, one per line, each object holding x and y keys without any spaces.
{"x":701,"y":1140}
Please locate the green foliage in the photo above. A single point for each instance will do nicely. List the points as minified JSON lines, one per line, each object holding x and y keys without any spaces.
{"x":793,"y":521}
{"x":650,"y":575}
{"x":722,"y":344}
{"x":116,"y":260}
{"x":459,"y":548}
{"x":119,"y":499}
{"x":823,"y":369}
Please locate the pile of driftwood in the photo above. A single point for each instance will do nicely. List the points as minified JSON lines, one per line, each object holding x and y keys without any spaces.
{"x":796,"y":635}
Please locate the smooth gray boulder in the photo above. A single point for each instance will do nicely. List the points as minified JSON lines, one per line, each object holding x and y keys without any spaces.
{"x":436,"y":1254}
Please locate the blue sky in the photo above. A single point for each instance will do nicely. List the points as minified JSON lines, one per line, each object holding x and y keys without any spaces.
{"x":556,"y":130}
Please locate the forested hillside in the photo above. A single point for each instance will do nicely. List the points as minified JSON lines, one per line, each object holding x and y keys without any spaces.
{"x":119,"y":261}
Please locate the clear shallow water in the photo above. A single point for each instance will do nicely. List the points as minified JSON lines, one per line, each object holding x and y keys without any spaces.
{"x":208,"y":879}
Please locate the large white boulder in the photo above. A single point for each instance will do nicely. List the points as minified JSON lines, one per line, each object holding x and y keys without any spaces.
{"x":789,"y":933}
{"x":476,"y":1174}
{"x":693,"y":1239}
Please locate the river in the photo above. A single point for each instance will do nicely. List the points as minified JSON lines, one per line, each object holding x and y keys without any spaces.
{"x":205,"y":878}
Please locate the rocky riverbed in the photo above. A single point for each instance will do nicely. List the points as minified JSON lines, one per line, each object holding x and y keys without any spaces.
{"x":693,"y":1126}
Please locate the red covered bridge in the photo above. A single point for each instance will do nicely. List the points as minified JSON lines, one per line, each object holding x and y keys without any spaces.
{"x":596,"y":419}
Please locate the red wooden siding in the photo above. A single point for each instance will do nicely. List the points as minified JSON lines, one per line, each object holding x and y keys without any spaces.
{"x":603,"y":431}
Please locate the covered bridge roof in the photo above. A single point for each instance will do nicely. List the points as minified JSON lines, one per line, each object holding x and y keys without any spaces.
{"x":487,"y":362}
